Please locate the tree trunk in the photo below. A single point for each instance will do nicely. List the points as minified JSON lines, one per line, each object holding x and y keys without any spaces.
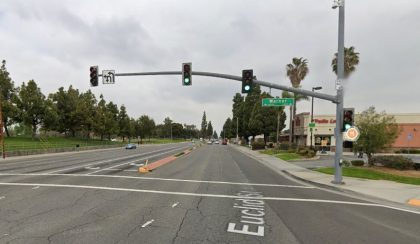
{"x":33,"y":130}
{"x":6,"y":130}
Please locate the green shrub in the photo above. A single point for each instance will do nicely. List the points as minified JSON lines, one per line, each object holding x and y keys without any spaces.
{"x":311,"y":154}
{"x":394,"y":162}
{"x":283,"y":146}
{"x":257,"y":145}
{"x":358,"y":162}
{"x":417,"y":166}
{"x":346,"y":163}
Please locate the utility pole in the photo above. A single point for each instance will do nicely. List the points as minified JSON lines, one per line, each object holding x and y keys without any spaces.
{"x":3,"y":151}
{"x":278,"y":126}
{"x":237,"y":130}
{"x":338,"y":178}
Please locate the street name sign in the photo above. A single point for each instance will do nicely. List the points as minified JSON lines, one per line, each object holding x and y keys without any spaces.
{"x":352,"y":134}
{"x":277,"y":102}
{"x":311,"y":125}
{"x":108,"y":76}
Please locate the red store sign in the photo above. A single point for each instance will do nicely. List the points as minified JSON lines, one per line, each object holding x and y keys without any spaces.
{"x":324,"y":121}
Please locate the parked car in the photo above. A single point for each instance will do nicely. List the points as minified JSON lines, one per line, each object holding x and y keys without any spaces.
{"x":209,"y":142}
{"x":224,"y":142}
{"x":216,"y":141}
{"x":131,"y":146}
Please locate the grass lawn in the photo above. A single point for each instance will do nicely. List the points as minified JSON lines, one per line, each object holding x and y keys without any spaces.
{"x":365,"y":173}
{"x":27,"y":143}
{"x":284,"y":155}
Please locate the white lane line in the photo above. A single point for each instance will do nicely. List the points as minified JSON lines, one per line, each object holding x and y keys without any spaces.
{"x":34,"y":188}
{"x":210,"y":195}
{"x":92,"y":168}
{"x":106,"y":161}
{"x":162,"y":179}
{"x":139,"y":159}
{"x":129,"y":170}
{"x":175,"y":204}
{"x":139,"y":165}
{"x":147,"y":223}
{"x":2,"y":197}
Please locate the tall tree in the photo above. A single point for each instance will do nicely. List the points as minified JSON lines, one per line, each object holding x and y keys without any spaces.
{"x":50,"y":121}
{"x":238,"y":113}
{"x":296,"y":71}
{"x":111,"y":120}
{"x":32,"y":104}
{"x":377,"y":131}
{"x":250,"y":100}
{"x":209,"y":130}
{"x":100,"y":118}
{"x":66,"y":103}
{"x":85,"y":112}
{"x":167,"y":126}
{"x":123,"y":123}
{"x":203,"y":131}
{"x":264,"y":119}
{"x":215,"y":136}
{"x":146,"y":126}
{"x":229,"y":129}
{"x":7,"y":95}
{"x":351,"y":59}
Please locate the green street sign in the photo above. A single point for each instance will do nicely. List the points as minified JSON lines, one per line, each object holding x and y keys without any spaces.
{"x":311,"y":125}
{"x":277,"y":102}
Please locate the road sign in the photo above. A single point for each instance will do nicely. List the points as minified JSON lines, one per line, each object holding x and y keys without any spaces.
{"x":311,"y":125}
{"x":108,"y":76}
{"x":277,"y":102}
{"x":352,"y":134}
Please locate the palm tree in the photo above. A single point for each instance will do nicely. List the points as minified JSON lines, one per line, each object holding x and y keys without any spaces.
{"x":297,"y":97}
{"x":296,"y":71}
{"x":351,"y":59}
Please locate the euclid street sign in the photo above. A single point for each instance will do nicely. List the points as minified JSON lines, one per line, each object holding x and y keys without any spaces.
{"x":277,"y":102}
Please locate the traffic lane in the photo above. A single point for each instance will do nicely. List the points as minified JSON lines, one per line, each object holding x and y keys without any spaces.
{"x":196,"y":218}
{"x":64,"y":158}
{"x":331,"y":223}
{"x":58,"y":165}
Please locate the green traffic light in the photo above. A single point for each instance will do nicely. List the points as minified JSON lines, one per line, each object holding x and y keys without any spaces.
{"x":347,"y":126}
{"x":187,"y":80}
{"x":247,"y":87}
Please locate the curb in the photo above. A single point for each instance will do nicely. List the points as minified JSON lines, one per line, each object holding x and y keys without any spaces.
{"x":161,"y":162}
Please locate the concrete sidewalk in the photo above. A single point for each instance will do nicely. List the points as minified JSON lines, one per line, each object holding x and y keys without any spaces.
{"x":406,"y":194}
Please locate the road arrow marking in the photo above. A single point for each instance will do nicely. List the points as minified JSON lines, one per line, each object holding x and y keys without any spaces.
{"x":34,"y":188}
{"x":147,"y":223}
{"x":174,"y":205}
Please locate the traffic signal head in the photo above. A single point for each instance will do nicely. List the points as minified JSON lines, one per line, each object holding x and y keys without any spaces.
{"x":247,"y":80}
{"x":186,"y":74}
{"x":348,"y":118}
{"x":93,"y":75}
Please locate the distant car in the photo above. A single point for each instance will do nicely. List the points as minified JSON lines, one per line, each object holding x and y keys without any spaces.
{"x":216,"y":141}
{"x":209,"y":142}
{"x":224,"y":142}
{"x":131,"y":146}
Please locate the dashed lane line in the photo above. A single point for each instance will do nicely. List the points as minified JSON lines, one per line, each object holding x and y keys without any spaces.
{"x":139,"y":159}
{"x":106,"y":161}
{"x":211,"y":195}
{"x":147,"y":223}
{"x":175,"y":204}
{"x":163,"y":179}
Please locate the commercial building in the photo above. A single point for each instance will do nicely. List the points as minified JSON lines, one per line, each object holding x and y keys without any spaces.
{"x":323,"y":132}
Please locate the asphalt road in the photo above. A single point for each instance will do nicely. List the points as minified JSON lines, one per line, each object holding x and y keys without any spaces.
{"x":216,"y":194}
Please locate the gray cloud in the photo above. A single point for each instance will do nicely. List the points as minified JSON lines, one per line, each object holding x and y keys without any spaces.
{"x":55,"y":42}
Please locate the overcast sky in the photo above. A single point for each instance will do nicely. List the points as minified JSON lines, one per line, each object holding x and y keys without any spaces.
{"x":55,"y":42}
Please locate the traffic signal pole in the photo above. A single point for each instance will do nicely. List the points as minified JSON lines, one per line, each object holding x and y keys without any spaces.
{"x":338,"y":178}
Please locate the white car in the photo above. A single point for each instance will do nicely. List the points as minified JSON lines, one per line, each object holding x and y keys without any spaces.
{"x":209,"y":143}
{"x":216,"y":142}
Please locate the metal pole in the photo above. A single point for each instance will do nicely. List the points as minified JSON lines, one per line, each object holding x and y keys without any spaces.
{"x":3,"y":151}
{"x":278,"y":126}
{"x":338,"y":178}
{"x":237,"y":130}
{"x":312,"y":118}
{"x":171,"y":130}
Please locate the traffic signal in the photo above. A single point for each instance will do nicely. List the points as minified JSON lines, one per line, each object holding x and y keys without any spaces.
{"x":348,"y":118}
{"x":186,"y":74}
{"x":93,"y":75}
{"x":247,"y":79}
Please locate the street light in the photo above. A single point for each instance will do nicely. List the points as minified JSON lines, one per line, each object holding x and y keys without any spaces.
{"x":312,"y":110}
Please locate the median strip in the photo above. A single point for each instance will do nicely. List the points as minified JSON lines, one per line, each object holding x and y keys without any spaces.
{"x":149,"y":167}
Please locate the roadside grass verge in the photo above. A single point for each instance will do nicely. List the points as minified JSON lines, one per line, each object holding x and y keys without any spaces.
{"x":27,"y":143}
{"x":284,"y":155}
{"x":370,"y":174}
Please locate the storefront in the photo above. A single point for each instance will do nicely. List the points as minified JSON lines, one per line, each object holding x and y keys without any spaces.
{"x":323,"y":132}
